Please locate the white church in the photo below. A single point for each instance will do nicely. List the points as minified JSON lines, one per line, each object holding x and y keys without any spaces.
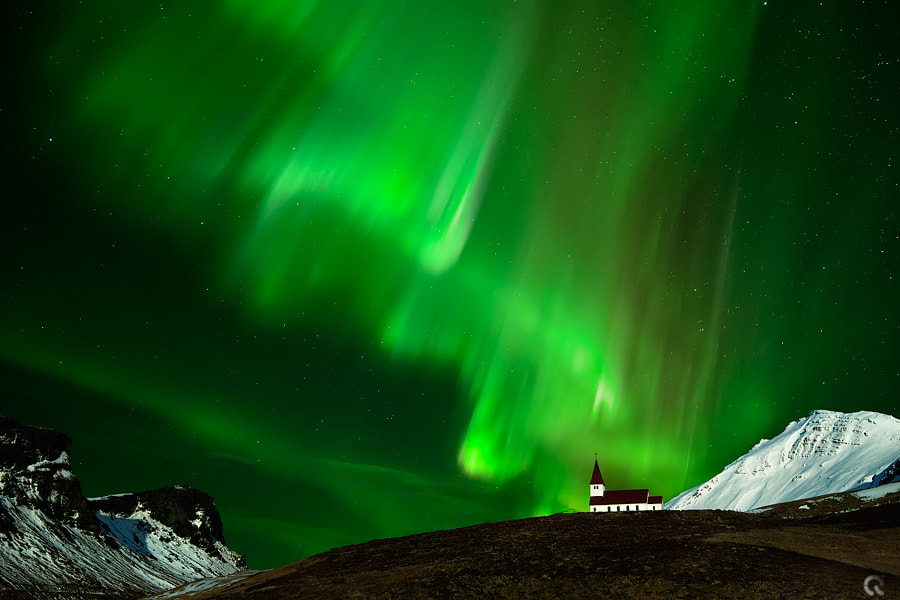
{"x":619,"y":500}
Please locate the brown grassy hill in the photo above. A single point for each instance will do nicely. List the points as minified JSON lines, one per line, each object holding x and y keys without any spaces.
{"x":667,"y":554}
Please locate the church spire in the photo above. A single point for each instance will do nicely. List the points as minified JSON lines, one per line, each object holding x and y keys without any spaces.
{"x":596,"y":477}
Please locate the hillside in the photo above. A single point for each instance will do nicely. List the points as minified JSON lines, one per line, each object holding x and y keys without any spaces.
{"x":665,"y":554}
{"x":826,"y":452}
{"x":55,"y":544}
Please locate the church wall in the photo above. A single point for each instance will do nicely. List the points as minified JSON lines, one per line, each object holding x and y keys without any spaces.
{"x":641,"y":506}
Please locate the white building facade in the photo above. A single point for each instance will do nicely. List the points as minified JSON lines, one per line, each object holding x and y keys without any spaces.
{"x":602,"y":500}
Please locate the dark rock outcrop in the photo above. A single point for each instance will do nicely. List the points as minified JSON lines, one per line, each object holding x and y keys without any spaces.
{"x":36,"y":473}
{"x":890,"y":475}
{"x":190,"y":513}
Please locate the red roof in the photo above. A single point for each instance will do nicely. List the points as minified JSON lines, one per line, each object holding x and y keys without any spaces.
{"x":655,"y":500}
{"x":621,"y":497}
{"x":597,"y":477}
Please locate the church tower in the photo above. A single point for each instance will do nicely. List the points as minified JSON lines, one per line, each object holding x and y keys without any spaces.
{"x":603,"y":500}
{"x":597,"y":485}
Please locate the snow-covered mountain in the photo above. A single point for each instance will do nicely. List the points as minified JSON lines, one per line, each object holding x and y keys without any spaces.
{"x":824,"y":453}
{"x":55,"y":543}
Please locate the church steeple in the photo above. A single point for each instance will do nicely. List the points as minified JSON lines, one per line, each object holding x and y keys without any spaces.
{"x":597,"y":485}
{"x":619,"y":500}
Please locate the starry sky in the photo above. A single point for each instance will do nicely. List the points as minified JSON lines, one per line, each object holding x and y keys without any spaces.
{"x":360,"y":270}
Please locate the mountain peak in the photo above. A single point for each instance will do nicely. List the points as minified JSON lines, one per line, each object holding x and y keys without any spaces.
{"x":825,"y":452}
{"x":52,"y":537}
{"x":36,"y":473}
{"x":188,"y":512}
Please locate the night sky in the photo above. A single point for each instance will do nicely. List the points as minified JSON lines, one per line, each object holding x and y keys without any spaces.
{"x":367,"y":269}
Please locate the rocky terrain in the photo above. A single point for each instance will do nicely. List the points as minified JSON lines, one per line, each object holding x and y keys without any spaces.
{"x":55,"y":544}
{"x":784,"y":552}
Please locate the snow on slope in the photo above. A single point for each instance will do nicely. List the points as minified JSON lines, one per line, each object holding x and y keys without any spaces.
{"x":40,"y":553}
{"x":824,"y":453}
{"x":54,"y":543}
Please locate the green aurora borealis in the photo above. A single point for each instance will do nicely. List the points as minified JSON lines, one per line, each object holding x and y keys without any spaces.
{"x":366,"y":269}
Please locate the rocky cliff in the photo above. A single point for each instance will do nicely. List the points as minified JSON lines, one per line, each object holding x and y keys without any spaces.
{"x":57,"y":544}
